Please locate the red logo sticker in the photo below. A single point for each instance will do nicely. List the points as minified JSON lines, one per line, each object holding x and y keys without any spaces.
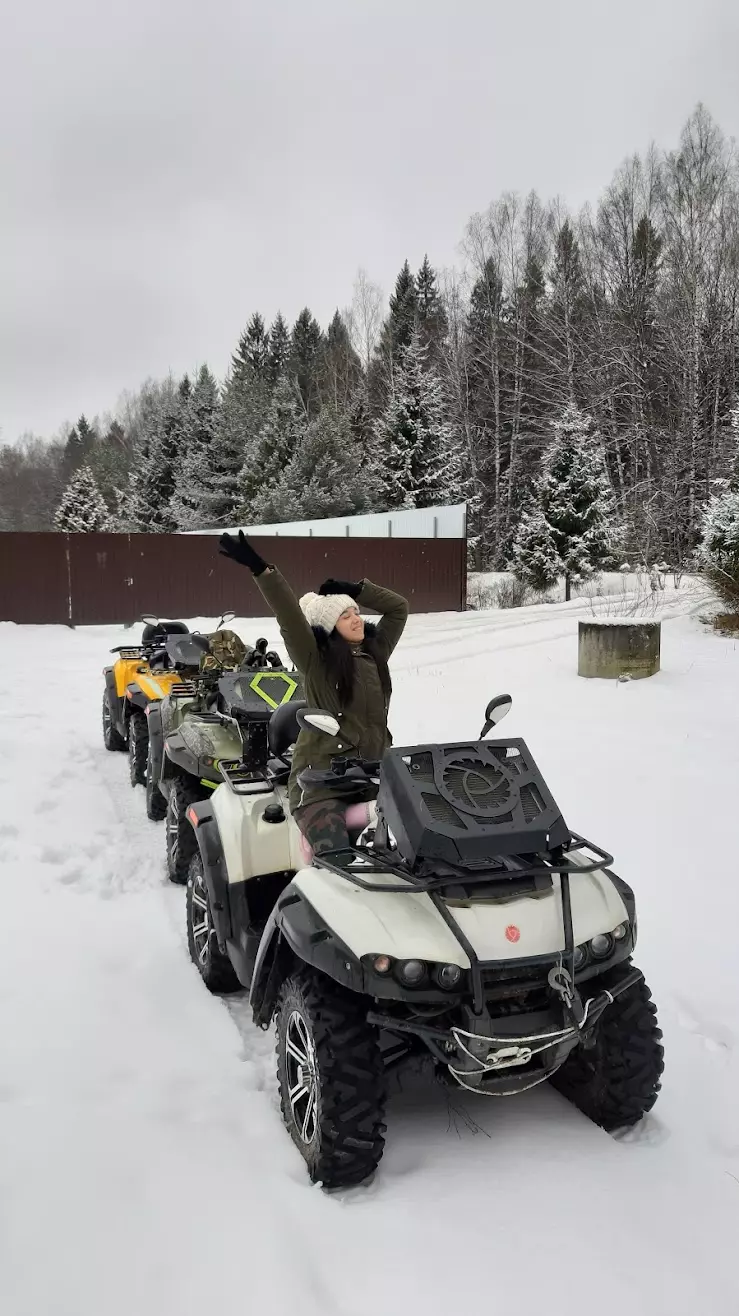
{"x":512,"y":932}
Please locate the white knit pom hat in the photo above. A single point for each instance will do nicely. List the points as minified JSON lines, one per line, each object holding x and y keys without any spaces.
{"x":325,"y":609}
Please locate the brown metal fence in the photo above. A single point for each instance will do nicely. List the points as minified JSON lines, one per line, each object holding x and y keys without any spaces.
{"x":97,"y":579}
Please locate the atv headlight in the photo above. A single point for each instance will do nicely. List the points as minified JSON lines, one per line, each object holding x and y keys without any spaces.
{"x":621,"y":931}
{"x":448,"y":976}
{"x":601,"y":946}
{"x":411,"y":972}
{"x":581,"y":957}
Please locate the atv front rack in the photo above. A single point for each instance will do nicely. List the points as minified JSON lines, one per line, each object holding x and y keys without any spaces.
{"x":353,"y":862}
{"x":360,"y":861}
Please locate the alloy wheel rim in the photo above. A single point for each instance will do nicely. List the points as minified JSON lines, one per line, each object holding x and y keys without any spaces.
{"x":202,"y":931}
{"x":302,"y":1081}
{"x":173,"y":828}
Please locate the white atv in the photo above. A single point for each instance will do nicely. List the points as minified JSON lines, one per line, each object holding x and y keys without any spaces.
{"x":466,"y":922}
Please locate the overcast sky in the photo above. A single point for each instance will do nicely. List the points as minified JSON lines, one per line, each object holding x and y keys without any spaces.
{"x":168,"y":167}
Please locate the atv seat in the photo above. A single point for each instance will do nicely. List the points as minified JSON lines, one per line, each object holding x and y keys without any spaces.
{"x":158,"y":634}
{"x":283,"y":728}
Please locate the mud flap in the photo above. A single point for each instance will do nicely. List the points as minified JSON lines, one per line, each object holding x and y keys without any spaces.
{"x":200,"y":816}
{"x":116,"y":704}
{"x":156,"y":740}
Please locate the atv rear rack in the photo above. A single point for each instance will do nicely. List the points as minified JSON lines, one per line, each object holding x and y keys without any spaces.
{"x":242,"y":780}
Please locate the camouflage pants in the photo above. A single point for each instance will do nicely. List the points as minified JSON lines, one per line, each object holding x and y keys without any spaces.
{"x":323,"y":825}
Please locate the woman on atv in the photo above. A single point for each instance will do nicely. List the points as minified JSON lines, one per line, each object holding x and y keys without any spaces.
{"x":343,"y":662}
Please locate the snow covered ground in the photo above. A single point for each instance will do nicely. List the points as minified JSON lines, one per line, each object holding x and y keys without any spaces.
{"x":143,"y":1164}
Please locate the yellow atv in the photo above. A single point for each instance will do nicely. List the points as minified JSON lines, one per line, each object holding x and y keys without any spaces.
{"x":137,"y":678}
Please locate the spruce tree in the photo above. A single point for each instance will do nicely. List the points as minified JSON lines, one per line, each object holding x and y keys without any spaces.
{"x":341,"y":370}
{"x":272,"y":450}
{"x":416,"y":458}
{"x":402,"y":320}
{"x":279,"y":349}
{"x":325,"y":477}
{"x":245,"y":405}
{"x":256,"y":345}
{"x":80,"y":444}
{"x":574,"y":496}
{"x":566,"y":310}
{"x":82,"y":509}
{"x":536,"y":561}
{"x":110,"y":461}
{"x":305,"y":360}
{"x":196,"y":468}
{"x":157,"y":457}
{"x":431,"y":316}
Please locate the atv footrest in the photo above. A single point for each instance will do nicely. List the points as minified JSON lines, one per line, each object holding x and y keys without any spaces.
{"x":242,"y":780}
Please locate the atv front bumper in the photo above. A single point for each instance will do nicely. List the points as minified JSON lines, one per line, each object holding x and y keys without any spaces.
{"x":501,"y":1066}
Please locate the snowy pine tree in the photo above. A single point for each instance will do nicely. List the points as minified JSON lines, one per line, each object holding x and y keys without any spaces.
{"x":416,"y":457}
{"x":431,"y":316}
{"x":279,"y":349}
{"x":325,"y":477}
{"x":272,"y":449}
{"x":575,"y":499}
{"x":535,"y":557}
{"x":254,"y":344}
{"x":305,"y":360}
{"x":401,"y":323}
{"x":157,"y":456}
{"x":245,"y":406}
{"x":198,"y":463}
{"x":82,"y":508}
{"x":80,"y":444}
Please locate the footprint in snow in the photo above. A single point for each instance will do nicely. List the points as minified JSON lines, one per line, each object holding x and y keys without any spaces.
{"x":52,"y":854}
{"x":716,"y":1037}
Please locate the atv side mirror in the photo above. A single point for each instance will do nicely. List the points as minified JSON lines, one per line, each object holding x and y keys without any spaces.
{"x":496,"y":710}
{"x":227,"y":616}
{"x":149,"y":619}
{"x":317,"y":720}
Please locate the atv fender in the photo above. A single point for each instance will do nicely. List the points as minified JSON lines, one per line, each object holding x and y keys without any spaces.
{"x":295,"y":932}
{"x":156,"y":739}
{"x":135,"y":698}
{"x":175,"y":758}
{"x":208,"y":838}
{"x":116,"y":703}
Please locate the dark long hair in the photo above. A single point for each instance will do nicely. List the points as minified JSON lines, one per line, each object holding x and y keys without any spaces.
{"x":339,"y":658}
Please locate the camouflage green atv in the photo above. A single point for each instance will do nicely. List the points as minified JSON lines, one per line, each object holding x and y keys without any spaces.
{"x":210,"y":729}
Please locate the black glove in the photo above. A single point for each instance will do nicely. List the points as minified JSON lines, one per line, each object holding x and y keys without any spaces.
{"x":351,"y":587}
{"x":240,"y":550}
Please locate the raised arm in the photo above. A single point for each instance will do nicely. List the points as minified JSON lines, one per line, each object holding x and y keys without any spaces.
{"x":392,"y":606}
{"x":296,"y":633}
{"x":394,"y":610}
{"x":300,"y":641}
